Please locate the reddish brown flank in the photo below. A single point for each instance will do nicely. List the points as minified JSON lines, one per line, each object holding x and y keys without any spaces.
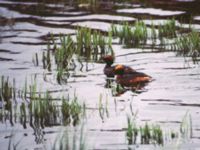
{"x":131,"y":79}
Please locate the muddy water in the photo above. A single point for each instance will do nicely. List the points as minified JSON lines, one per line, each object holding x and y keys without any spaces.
{"x":24,"y":28}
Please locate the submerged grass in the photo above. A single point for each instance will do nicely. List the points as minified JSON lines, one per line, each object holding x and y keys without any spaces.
{"x":6,"y":92}
{"x":166,"y":37}
{"x":131,"y":35}
{"x":188,"y":45}
{"x":7,"y":98}
{"x":71,"y":111}
{"x":136,"y":35}
{"x":39,"y":109}
{"x":168,"y":29}
{"x":153,"y":134}
{"x":65,"y":142}
{"x":132,"y":131}
{"x":92,"y":45}
{"x":47,"y":112}
{"x":103,"y":108}
{"x":87,"y":46}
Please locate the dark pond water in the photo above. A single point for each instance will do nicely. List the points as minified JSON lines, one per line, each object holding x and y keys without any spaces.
{"x":175,"y":91}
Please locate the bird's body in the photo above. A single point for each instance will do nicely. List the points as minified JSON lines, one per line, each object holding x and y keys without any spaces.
{"x":133,"y":79}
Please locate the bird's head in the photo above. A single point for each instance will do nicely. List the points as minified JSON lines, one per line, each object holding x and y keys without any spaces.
{"x":108,"y":59}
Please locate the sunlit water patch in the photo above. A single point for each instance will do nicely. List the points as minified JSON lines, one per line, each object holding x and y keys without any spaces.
{"x":92,"y":17}
{"x":151,"y":11}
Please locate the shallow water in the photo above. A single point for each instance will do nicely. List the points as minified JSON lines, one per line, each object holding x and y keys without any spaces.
{"x":24,"y":29}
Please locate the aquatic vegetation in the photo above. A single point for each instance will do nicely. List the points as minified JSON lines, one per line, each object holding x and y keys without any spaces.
{"x":88,"y":46}
{"x":46,"y":60}
{"x":132,"y":131}
{"x":94,"y":45}
{"x":117,"y":89}
{"x":147,"y":134}
{"x":35,"y":60}
{"x":154,"y":134}
{"x":157,"y":135}
{"x":6,"y":92}
{"x":39,"y":109}
{"x":140,"y":33}
{"x":71,"y":111}
{"x":64,"y":53}
{"x":170,"y":37}
{"x":131,"y":35}
{"x":103,"y":108}
{"x":168,"y":30}
{"x":44,"y":110}
{"x":186,"y":127}
{"x":7,"y":98}
{"x":74,"y":140}
{"x":153,"y":35}
{"x":188,"y":45}
{"x":88,"y":4}
{"x":136,"y":35}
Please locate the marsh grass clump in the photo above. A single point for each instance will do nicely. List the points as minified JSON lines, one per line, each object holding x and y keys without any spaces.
{"x":136,"y":35}
{"x":44,"y":110}
{"x":64,"y":53}
{"x":157,"y":135}
{"x":140,"y":33}
{"x":92,"y":45}
{"x":71,"y":111}
{"x":67,"y":54}
{"x":37,"y":108}
{"x":63,"y":56}
{"x":171,"y":38}
{"x":6,"y":93}
{"x":71,"y":139}
{"x":131,"y":35}
{"x":168,"y":30}
{"x":188,"y":45}
{"x":146,"y":134}
{"x":154,"y":134}
{"x":46,"y":60}
{"x":132,"y":131}
{"x":7,"y":98}
{"x":88,"y":46}
{"x":76,"y":110}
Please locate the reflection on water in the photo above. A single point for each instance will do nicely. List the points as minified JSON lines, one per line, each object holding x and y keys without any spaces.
{"x":24,"y":31}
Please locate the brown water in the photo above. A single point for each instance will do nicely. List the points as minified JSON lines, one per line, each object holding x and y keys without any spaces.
{"x":24,"y":28}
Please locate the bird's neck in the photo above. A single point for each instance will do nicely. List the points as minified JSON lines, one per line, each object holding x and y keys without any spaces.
{"x":108,"y":65}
